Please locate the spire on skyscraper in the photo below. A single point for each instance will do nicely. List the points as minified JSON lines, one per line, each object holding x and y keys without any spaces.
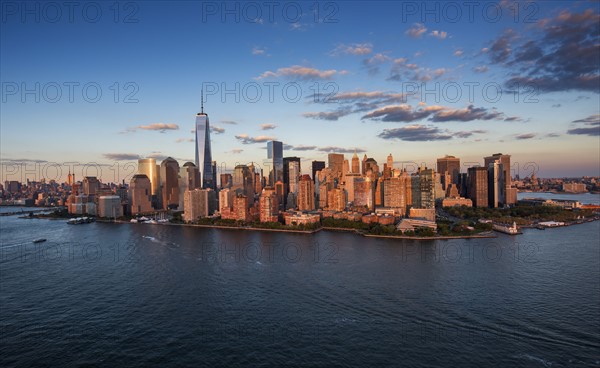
{"x":202,"y":101}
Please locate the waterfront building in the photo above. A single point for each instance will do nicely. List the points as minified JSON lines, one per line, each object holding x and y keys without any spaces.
{"x":478,"y":186}
{"x":451,"y":166}
{"x":306,"y":194}
{"x":110,"y":206}
{"x":140,"y":194}
{"x":169,"y":176}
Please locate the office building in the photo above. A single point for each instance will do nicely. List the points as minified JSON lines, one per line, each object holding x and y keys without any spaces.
{"x":306,"y":194}
{"x":204,"y":161}
{"x":477,"y":189}
{"x":275,"y":156}
{"x":169,"y":176}
{"x":140,"y":194}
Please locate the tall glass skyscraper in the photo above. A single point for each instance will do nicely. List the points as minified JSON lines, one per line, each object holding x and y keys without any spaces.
{"x":203,"y":152}
{"x":275,"y":153}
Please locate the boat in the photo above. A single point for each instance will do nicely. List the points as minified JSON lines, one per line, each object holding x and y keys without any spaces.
{"x":40,"y":240}
{"x":133,"y":221}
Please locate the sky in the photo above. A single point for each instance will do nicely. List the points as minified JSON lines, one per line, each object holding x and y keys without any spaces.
{"x":93,"y":86}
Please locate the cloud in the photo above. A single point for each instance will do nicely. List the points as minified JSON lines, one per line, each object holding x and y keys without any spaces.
{"x":416,"y":31}
{"x":525,"y":136}
{"x":416,"y":133}
{"x":592,"y":119}
{"x":334,"y":149}
{"x":267,"y":126}
{"x":217,"y":130}
{"x":328,"y":115}
{"x":229,"y":122}
{"x":121,"y":156}
{"x":353,"y":102}
{"x":161,"y":127}
{"x":405,"y":113}
{"x":513,"y":118}
{"x":592,"y":131}
{"x":301,"y":72}
{"x":402,"y":70}
{"x":353,"y":49}
{"x":236,"y":151}
{"x":401,"y":113}
{"x":259,"y":51}
{"x":481,"y":69}
{"x":467,"y":134}
{"x":181,"y":140}
{"x":372,"y":64}
{"x":557,"y":105}
{"x":469,"y":113}
{"x":458,"y":52}
{"x":552,"y":135}
{"x":304,"y":148}
{"x":246,"y":139}
{"x":559,"y":54}
{"x":439,"y":34}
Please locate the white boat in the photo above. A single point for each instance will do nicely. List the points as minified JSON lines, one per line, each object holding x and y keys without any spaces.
{"x":134,"y":221}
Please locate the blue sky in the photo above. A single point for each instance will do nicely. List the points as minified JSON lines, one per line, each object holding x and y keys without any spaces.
{"x":370,"y":61}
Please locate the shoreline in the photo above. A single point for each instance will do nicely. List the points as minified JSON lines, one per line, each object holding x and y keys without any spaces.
{"x":485,"y":235}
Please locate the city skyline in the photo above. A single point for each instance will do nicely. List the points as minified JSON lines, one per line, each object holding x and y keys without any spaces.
{"x":356,"y":87}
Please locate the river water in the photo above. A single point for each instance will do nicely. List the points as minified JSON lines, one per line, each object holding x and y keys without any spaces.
{"x":139,"y":295}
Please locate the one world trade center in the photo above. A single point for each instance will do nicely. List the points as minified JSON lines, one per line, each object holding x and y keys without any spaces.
{"x":203,"y":151}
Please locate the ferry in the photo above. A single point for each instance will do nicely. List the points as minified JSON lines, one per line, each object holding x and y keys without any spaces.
{"x":40,"y":240}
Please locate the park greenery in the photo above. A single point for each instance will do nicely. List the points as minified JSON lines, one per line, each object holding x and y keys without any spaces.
{"x":521,"y":214}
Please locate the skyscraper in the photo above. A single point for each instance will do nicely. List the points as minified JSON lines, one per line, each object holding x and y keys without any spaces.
{"x":291,"y":175}
{"x":510,"y":193}
{"x":451,"y":165}
{"x":335,"y":163}
{"x":169,"y":174}
{"x":355,"y":163}
{"x":478,"y":186}
{"x":496,"y":184}
{"x":275,"y":154}
{"x":317,"y":166}
{"x":306,"y":194}
{"x":204,"y":161}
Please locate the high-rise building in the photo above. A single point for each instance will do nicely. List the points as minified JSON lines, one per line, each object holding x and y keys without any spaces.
{"x":394,"y":193}
{"x":317,"y":166}
{"x":291,"y":175}
{"x":335,"y":163}
{"x":198,"y":203}
{"x":110,"y":206}
{"x":169,"y":175}
{"x":275,"y":154}
{"x":451,"y":165}
{"x":226,"y":181}
{"x":336,"y":199}
{"x":189,"y":179}
{"x":306,"y":194}
{"x":90,"y":185}
{"x":355,"y":163}
{"x":390,"y":162}
{"x":477,"y":189}
{"x":148,"y":167}
{"x":242,"y":181}
{"x":140,"y":194}
{"x":496,"y":184}
{"x":204,"y":160}
{"x":363,"y":193}
{"x":510,"y":192}
{"x":269,"y":206}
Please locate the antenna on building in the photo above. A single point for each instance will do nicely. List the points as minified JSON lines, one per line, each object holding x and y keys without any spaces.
{"x":202,"y":101}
